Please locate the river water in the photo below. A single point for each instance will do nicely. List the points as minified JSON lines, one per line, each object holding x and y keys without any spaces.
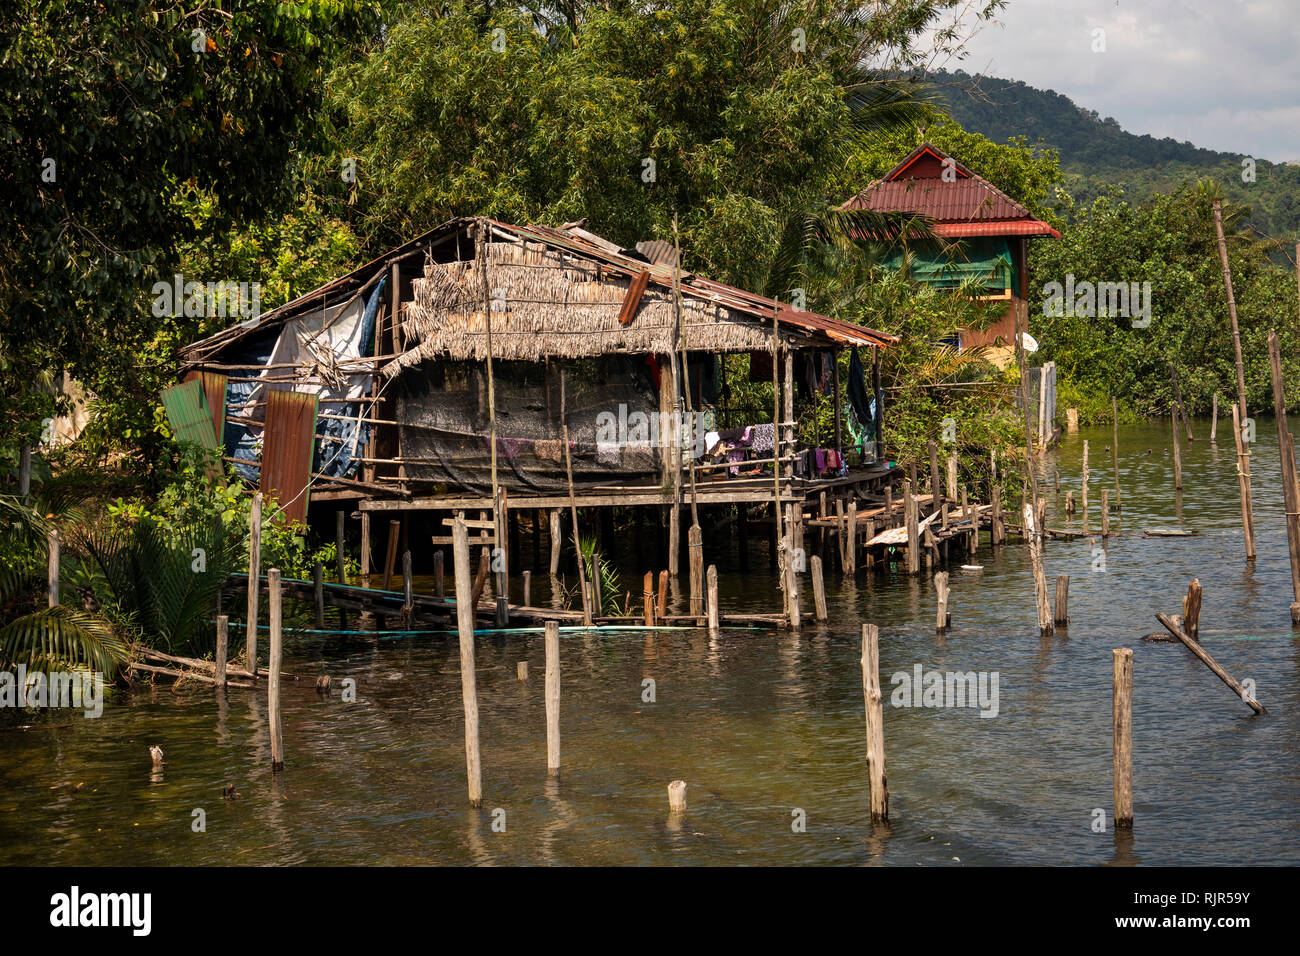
{"x":765,"y":727}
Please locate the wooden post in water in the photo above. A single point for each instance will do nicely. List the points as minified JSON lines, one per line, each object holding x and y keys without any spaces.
{"x":695,"y":542}
{"x":1178,"y":403}
{"x":1232,"y":309}
{"x":1062,"y":616}
{"x":52,"y":579}
{"x":1290,"y":487}
{"x":663,"y":595}
{"x":1083,"y":493}
{"x":1122,"y":725}
{"x":223,"y":644}
{"x":791,"y":578}
{"x":553,"y":697}
{"x":521,"y":671}
{"x":677,"y":796}
{"x":648,"y":593}
{"x":839,"y":536}
{"x":1192,"y":610}
{"x":875,"y":724}
{"x":274,"y":610}
{"x":1178,"y":453}
{"x":913,"y":536}
{"x":1069,"y":502}
{"x":942,"y":617}
{"x":819,"y":588}
{"x":439,"y":574}
{"x":999,"y":529}
{"x":1034,"y":536}
{"x":951,"y":493}
{"x":1243,"y":484}
{"x":254,"y":581}
{"x":340,"y":551}
{"x":468,"y":679}
{"x":318,"y":586}
{"x":1105,"y":513}
{"x":712,"y":585}
{"x":1214,"y":417}
{"x":528,"y":589}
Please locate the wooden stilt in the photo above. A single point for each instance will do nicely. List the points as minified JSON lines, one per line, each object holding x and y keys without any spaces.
{"x":1083,"y":493}
{"x":528,"y":589}
{"x":648,"y":592}
{"x":390,"y":558}
{"x":365,"y":549}
{"x":1122,"y":725}
{"x":712,"y":584}
{"x":695,"y":540}
{"x":942,"y":617}
{"x":439,"y":574}
{"x":1290,"y":487}
{"x":663,"y":596}
{"x":254,"y":581}
{"x":468,"y":679}
{"x":1243,"y":485}
{"x":819,"y":587}
{"x":273,"y":678}
{"x":913,"y":536}
{"x":1105,"y":512}
{"x":553,"y":697}
{"x":318,"y":583}
{"x":1062,"y":616}
{"x":555,"y":541}
{"x":875,"y":720}
{"x":223,"y":645}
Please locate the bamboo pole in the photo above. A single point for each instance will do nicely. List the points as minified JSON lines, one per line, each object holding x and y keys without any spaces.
{"x":499,"y":530}
{"x":468,"y":679}
{"x":1232,"y":309}
{"x":1290,"y":487}
{"x":875,"y":719}
{"x":553,"y":697}
{"x":1122,"y":727}
{"x":254,"y":581}
{"x":913,"y":536}
{"x":1214,"y":418}
{"x":1178,"y":452}
{"x":573,"y":507}
{"x":1243,"y":484}
{"x":1083,"y":494}
{"x":274,"y":605}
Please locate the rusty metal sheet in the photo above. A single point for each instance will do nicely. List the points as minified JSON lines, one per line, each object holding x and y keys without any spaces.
{"x":632,"y":301}
{"x":288,"y":441}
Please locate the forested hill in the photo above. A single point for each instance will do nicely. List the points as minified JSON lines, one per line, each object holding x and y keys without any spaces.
{"x":1096,"y":153}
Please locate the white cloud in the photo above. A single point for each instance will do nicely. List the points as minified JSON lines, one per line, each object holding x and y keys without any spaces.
{"x":1222,"y":74}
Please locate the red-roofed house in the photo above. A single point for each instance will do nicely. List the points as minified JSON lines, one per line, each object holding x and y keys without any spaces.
{"x":993,"y":228}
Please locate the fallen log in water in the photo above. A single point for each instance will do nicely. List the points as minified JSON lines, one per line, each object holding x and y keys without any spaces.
{"x":1210,"y":662}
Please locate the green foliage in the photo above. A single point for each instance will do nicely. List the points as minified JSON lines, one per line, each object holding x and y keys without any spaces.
{"x":600,"y":571}
{"x":1170,"y":242}
{"x":1097,"y":156}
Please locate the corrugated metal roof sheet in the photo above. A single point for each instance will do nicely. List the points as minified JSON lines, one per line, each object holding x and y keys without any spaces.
{"x":287,"y":444}
{"x":965,"y":206}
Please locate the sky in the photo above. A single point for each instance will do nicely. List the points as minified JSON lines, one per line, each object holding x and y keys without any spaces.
{"x":1221,"y":74}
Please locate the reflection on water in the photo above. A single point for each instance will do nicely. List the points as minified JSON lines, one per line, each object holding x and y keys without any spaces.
{"x":758,"y":722}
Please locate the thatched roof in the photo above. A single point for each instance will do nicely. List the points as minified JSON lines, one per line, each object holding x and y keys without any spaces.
{"x":557,"y":293}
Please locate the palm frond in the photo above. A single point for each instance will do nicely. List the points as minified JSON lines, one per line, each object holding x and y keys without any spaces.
{"x":61,"y":636}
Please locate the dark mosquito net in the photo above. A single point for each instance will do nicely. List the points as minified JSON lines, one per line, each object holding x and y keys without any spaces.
{"x":608,"y":405}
